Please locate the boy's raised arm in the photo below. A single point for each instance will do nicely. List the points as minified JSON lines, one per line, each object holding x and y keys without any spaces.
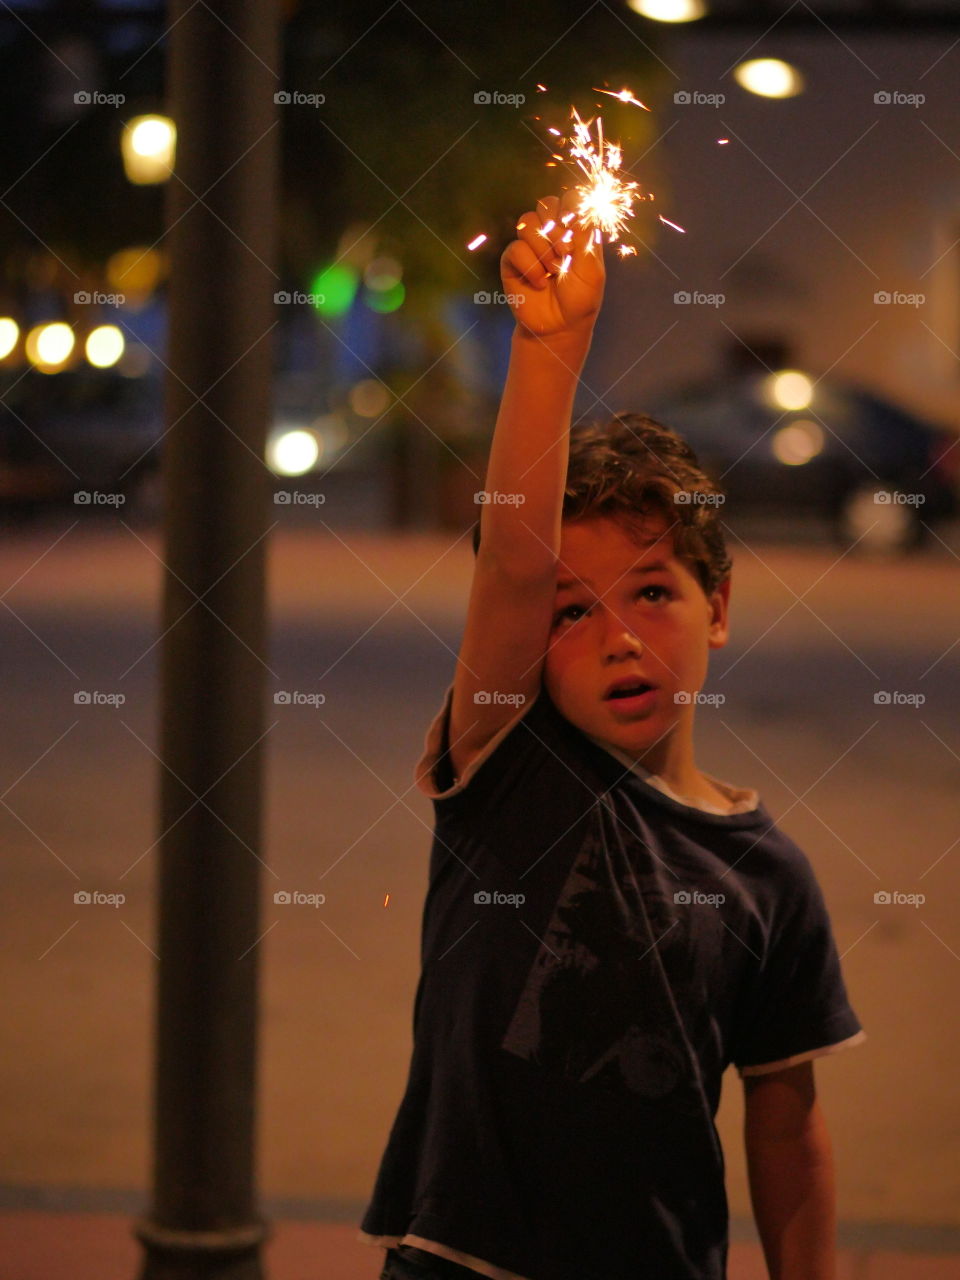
{"x":553,"y":276}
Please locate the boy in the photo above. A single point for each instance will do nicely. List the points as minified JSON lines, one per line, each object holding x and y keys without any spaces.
{"x":606,"y":927}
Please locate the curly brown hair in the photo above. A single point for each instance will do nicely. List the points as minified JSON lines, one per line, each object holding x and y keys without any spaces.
{"x":633,"y":467}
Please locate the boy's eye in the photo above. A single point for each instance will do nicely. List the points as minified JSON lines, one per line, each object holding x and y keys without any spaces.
{"x":569,"y":614}
{"x":653,"y":593}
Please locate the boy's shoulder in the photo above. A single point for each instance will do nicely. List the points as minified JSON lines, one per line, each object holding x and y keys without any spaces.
{"x":539,"y":751}
{"x":535,"y":734}
{"x":538,"y":758}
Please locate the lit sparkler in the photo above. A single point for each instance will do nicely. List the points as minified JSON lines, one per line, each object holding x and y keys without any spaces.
{"x":606,"y":198}
{"x":607,"y":195}
{"x":624,"y":95}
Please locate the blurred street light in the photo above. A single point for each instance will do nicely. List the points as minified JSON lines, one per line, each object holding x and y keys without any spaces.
{"x":769,"y":77}
{"x":798,"y":442}
{"x":790,"y":389}
{"x":9,"y":333}
{"x":104,"y":346}
{"x":293,"y":453}
{"x":148,"y":146}
{"x":135,"y":272}
{"x":669,"y":10}
{"x":49,"y":346}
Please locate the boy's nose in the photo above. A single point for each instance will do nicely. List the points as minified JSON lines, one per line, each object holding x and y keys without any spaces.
{"x":618,"y":638}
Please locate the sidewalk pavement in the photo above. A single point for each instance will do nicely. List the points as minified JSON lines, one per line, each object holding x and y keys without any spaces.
{"x":36,"y":1245}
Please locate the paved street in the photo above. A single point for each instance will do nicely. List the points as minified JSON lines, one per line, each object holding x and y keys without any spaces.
{"x":869,"y":791}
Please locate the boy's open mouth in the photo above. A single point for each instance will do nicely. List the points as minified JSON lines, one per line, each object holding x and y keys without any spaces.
{"x":629,"y":687}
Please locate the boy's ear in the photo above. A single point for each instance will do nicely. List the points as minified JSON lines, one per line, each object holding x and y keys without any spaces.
{"x":719,"y":604}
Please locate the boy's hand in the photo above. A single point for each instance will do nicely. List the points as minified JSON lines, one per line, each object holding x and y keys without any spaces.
{"x":549,"y":301}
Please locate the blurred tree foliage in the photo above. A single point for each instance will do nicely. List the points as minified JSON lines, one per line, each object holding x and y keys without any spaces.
{"x":432,"y":130}
{"x":401,"y":142}
{"x":401,"y":158}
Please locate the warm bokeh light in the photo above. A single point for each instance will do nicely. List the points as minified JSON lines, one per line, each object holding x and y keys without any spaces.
{"x":49,"y":346}
{"x":369,"y":398}
{"x":9,"y":333}
{"x":798,"y":442}
{"x":104,"y":346}
{"x":790,"y":389}
{"x":384,"y":291}
{"x":134,"y":270}
{"x":769,"y":77}
{"x":148,"y":145}
{"x":669,"y":10}
{"x":382,"y":274}
{"x":293,"y":453}
{"x":385,"y":300}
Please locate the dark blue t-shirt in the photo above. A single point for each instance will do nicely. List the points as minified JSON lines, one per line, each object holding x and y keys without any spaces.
{"x":594,"y":955}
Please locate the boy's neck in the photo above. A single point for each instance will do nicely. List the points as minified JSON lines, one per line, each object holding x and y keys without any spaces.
{"x":680,"y":773}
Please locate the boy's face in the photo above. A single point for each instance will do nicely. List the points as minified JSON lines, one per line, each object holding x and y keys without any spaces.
{"x":627,"y":609}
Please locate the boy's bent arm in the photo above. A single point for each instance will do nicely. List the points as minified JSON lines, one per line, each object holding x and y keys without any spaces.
{"x":509,"y":615}
{"x":791,"y":1174}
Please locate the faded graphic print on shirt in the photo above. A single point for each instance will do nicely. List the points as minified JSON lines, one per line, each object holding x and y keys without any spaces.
{"x":596,"y":1006}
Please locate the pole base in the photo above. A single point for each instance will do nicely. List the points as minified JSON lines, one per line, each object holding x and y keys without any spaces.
{"x":231,"y":1253}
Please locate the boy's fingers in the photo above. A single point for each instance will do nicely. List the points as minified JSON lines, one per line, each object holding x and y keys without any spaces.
{"x":577,"y":238}
{"x":542,"y":235}
{"x":569,"y":203}
{"x":521,"y":261}
{"x":585,"y":239}
{"x":548,"y":207}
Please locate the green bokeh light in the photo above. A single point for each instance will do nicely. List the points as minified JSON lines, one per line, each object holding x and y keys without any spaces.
{"x":337,"y":285}
{"x":385,"y":300}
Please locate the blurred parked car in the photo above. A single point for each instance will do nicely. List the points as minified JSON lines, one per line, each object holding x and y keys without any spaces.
{"x":879,"y":476}
{"x":74,"y":436}
{"x":80,"y":431}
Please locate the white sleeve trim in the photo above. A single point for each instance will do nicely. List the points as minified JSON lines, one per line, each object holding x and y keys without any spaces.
{"x":764,"y":1068}
{"x":431,"y":751}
